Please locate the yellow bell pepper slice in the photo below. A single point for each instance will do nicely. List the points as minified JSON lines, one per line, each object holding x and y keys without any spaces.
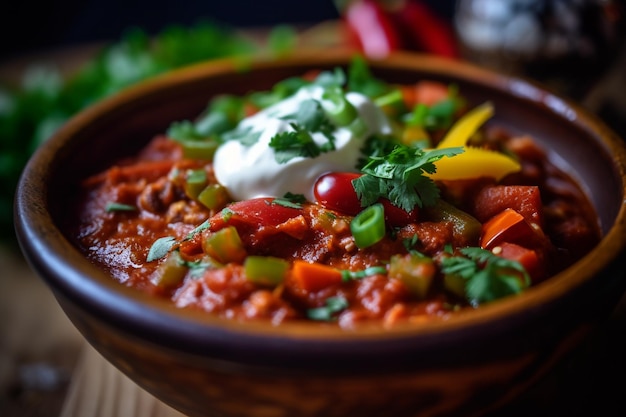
{"x":466,"y":126}
{"x":475,"y":163}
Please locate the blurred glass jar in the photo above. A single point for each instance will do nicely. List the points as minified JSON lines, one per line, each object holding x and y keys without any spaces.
{"x":565,"y":44}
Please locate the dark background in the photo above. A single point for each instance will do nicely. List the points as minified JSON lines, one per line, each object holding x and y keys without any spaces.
{"x":28,"y":26}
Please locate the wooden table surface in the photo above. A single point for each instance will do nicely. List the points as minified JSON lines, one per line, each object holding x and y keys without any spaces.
{"x":46,"y":370}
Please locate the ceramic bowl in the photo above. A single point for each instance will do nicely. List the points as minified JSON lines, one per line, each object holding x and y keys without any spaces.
{"x":206,"y":366}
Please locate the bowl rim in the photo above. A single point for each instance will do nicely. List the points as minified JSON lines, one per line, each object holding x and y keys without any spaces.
{"x":64,"y":269}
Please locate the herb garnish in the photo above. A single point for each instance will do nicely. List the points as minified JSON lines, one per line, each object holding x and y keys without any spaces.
{"x":488,"y":276}
{"x":347,"y":275}
{"x":205,"y":225}
{"x":333,"y":306}
{"x":399,"y":177}
{"x":290,"y":200}
{"x":292,"y":144}
{"x":160,"y":248}
{"x":308,"y":119}
{"x":113,"y":206}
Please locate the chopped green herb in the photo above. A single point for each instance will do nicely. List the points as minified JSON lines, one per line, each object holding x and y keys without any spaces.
{"x":410,"y":243}
{"x":227,"y":214}
{"x":347,"y":275}
{"x":333,"y":306}
{"x":292,"y":144}
{"x":336,"y":78}
{"x":311,"y":116}
{"x":160,"y":248}
{"x":205,"y":225}
{"x":295,"y":198}
{"x":280,"y":91}
{"x":487,"y":276}
{"x":246,"y":135}
{"x":399,"y":177}
{"x":361,"y":79}
{"x":199,"y":267}
{"x":113,"y":206}
{"x":286,"y":203}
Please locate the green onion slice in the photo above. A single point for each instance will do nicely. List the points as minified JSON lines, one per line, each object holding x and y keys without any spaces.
{"x":368,"y":227}
{"x":337,"y":107}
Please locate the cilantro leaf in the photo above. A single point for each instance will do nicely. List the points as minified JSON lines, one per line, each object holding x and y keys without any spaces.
{"x":291,"y":144}
{"x":326,"y":79}
{"x":333,"y":306}
{"x":114,"y":206}
{"x":313,"y":118}
{"x":279,"y":92}
{"x":160,"y":248}
{"x":294,"y":198}
{"x":400,"y":177}
{"x":205,"y":225}
{"x":245,"y":135}
{"x":286,"y":203}
{"x":488,"y":277}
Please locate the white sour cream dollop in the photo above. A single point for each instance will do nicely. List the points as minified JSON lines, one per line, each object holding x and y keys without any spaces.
{"x":252,"y":171}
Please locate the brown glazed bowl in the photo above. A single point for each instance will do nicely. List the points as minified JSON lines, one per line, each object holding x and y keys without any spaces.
{"x":206,"y":366}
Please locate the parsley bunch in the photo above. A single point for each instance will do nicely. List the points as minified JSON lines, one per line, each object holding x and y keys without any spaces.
{"x":400,"y":176}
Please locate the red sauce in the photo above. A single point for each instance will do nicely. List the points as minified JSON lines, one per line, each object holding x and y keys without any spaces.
{"x":153,"y":185}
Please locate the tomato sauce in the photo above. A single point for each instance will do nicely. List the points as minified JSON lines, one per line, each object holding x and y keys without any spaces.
{"x":119,"y":241}
{"x":141,"y":221}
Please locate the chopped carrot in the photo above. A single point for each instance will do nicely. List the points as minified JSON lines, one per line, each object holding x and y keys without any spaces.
{"x":509,"y":226}
{"x":315,"y":276}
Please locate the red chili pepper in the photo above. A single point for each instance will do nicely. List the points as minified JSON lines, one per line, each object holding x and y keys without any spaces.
{"x":371,"y":28}
{"x":423,"y":30}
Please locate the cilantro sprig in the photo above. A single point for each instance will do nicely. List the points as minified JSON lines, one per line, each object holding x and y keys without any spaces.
{"x":400,"y":176}
{"x":487,"y":276}
{"x":329,"y":310}
{"x":307,"y":119}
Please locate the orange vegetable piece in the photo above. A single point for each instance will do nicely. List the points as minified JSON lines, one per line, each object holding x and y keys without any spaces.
{"x":507,"y":226}
{"x":424,"y":92}
{"x":313,"y":277}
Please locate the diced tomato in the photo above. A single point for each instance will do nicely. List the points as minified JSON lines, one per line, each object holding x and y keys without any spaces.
{"x":528,"y":258}
{"x":260,"y":212}
{"x":524,"y":199}
{"x":424,"y":92}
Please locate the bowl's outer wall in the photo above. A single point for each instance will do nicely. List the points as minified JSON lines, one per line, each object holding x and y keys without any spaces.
{"x":492,"y":357}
